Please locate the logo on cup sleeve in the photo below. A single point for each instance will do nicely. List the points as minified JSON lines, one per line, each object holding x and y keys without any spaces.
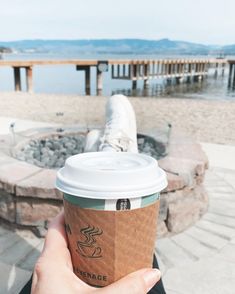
{"x":123,"y":204}
{"x":89,"y":248}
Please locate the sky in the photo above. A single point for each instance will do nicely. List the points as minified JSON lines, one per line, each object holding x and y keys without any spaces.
{"x":199,"y":21}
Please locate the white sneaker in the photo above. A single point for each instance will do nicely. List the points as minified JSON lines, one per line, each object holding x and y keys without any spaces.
{"x":120,"y":129}
{"x":92,"y":141}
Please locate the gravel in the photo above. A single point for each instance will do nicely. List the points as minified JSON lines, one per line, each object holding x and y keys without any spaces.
{"x":52,"y":152}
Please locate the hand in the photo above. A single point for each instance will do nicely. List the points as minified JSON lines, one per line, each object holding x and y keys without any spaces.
{"x":53,"y":271}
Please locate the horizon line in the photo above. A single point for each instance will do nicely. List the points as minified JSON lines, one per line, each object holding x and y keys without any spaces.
{"x":114,"y":39}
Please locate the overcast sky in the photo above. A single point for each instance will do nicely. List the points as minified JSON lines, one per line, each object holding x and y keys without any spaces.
{"x":201,"y":21}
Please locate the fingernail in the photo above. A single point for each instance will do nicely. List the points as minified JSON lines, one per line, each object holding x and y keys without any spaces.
{"x":151,"y":277}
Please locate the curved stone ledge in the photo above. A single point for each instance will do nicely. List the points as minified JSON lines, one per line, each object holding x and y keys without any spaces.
{"x":13,"y":172}
{"x":28,"y":196}
{"x":39,"y":185}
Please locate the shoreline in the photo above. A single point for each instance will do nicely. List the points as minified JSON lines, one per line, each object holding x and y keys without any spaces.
{"x":211,"y":121}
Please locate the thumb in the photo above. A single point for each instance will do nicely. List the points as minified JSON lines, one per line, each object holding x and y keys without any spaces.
{"x":139,"y":282}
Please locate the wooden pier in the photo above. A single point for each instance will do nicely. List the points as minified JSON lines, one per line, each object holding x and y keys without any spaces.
{"x":192,"y":70}
{"x":133,"y":70}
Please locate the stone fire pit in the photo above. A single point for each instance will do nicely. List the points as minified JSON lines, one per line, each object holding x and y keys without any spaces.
{"x":28,"y":198}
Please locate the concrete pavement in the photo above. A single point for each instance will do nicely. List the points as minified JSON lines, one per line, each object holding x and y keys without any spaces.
{"x":201,"y":260}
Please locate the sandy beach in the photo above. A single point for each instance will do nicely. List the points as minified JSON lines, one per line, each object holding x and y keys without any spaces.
{"x":206,"y":121}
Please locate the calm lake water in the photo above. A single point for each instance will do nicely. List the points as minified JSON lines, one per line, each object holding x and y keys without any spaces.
{"x":66,"y":80}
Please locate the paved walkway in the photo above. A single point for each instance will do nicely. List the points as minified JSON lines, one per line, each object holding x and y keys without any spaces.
{"x":201,"y":260}
{"x":18,"y":253}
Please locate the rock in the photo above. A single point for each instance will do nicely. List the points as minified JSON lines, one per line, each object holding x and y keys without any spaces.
{"x":50,"y":153}
{"x":21,"y":157}
{"x":63,"y":150}
{"x":49,"y":144}
{"x":36,"y":154}
{"x":39,"y":163}
{"x":57,"y":152}
{"x":31,"y":161}
{"x":185,"y":168}
{"x":32,"y":143}
{"x":61,"y":162}
{"x":41,"y":185}
{"x":150,"y":146}
{"x":13,"y":173}
{"x":185,"y":211}
{"x":7,"y":206}
{"x":68,"y":145}
{"x":44,"y":150}
{"x":29,"y":152}
{"x":163,"y":209}
{"x":65,"y":140}
{"x":34,"y":213}
{"x":56,"y":145}
{"x":174,"y":182}
{"x":161,"y":229}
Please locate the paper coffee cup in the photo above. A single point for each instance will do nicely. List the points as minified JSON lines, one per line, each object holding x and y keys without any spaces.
{"x":111,"y":203}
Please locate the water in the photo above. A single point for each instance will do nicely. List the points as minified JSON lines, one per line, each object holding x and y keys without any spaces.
{"x":64,"y":79}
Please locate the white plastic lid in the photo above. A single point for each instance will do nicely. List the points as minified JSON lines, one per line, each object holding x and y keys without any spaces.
{"x":111,"y":175}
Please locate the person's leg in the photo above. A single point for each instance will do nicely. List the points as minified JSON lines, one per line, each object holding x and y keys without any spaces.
{"x":158,"y":288}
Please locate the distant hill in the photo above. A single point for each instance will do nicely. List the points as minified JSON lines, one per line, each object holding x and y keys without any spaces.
{"x":5,"y":50}
{"x":116,"y":46}
{"x":229,"y":50}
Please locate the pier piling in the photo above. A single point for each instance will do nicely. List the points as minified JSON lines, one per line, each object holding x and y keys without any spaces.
{"x":29,"y":78}
{"x":99,"y":82}
{"x":216,"y":71}
{"x":231,"y":75}
{"x":146,"y":75}
{"x":17,"y":80}
{"x":86,"y":70}
{"x":88,"y":80}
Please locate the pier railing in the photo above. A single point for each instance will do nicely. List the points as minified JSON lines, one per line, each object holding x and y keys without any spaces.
{"x":166,"y":69}
{"x":133,"y":70}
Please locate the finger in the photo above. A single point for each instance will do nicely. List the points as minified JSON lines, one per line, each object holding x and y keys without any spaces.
{"x":56,"y":236}
{"x":56,"y":241}
{"x":139,"y":282}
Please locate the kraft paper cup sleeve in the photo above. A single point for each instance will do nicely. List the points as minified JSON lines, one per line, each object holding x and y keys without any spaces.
{"x":107,"y":245}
